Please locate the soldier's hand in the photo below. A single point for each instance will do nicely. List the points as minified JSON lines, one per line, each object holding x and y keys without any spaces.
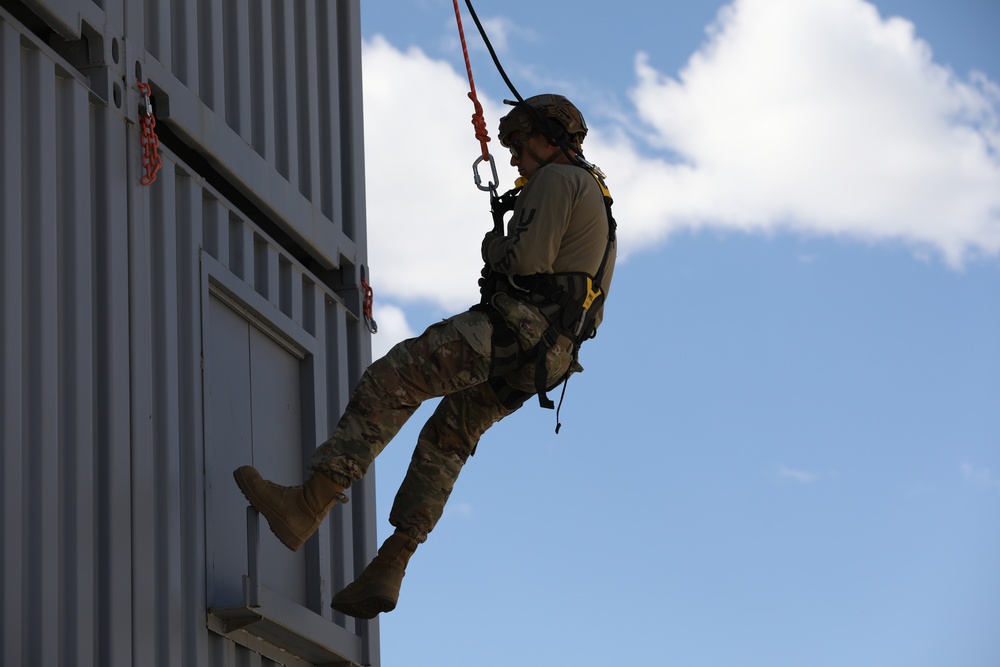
{"x":488,"y":240}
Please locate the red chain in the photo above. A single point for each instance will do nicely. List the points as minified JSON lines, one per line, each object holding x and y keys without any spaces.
{"x":369,"y":298}
{"x":366,"y":310}
{"x":478,"y":121}
{"x":151,"y":162}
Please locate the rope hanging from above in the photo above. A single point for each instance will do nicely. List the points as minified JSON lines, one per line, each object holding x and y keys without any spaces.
{"x":478,"y":121}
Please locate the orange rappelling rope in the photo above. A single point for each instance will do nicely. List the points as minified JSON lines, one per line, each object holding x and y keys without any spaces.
{"x":477,"y":118}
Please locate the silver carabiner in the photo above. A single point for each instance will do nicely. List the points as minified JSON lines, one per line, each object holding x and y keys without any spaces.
{"x":492,"y":185}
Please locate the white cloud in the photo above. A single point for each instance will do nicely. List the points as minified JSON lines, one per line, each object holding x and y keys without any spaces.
{"x":392,"y":328}
{"x":823,"y":117}
{"x":800,"y":476}
{"x":815,"y":117}
{"x":980,"y":476}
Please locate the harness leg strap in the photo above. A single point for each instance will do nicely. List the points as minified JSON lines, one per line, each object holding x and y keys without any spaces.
{"x":549,"y":339}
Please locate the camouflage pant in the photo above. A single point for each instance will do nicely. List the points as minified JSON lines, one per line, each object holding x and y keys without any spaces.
{"x":451,"y":359}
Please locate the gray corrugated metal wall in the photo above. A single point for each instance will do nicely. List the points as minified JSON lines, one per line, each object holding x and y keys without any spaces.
{"x":153,"y":338}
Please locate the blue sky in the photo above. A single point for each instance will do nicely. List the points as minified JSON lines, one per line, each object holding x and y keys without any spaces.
{"x":785,"y":450}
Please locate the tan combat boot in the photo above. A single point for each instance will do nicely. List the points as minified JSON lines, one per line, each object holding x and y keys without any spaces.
{"x":293,"y":512}
{"x":377,"y":589}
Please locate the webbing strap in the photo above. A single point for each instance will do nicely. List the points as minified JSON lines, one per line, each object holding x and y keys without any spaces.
{"x":549,"y":339}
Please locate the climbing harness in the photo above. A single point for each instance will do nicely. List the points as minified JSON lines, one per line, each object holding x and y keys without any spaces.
{"x":151,"y":161}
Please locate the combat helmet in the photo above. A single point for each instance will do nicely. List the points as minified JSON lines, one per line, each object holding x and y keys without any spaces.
{"x":553,"y":116}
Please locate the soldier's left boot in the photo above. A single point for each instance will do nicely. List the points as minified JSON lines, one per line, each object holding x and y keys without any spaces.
{"x":293,"y":513}
{"x":377,"y":589}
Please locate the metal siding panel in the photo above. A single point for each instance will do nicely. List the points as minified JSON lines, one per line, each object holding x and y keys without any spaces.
{"x":113,"y":423}
{"x":228,"y":438}
{"x":327,"y":86}
{"x":290,"y":290}
{"x":211,"y":56}
{"x":262,"y":79}
{"x":320,"y":553}
{"x":11,"y":349}
{"x":236,"y":38}
{"x":65,"y":16}
{"x":241,"y":249}
{"x":271,"y":80}
{"x":352,"y":149}
{"x":144,"y":501}
{"x":339,"y":381}
{"x":285,"y":94}
{"x":276,"y":409}
{"x":156,"y":23}
{"x":274,"y":262}
{"x":193,"y":605}
{"x":272,"y":429}
{"x":40,"y":501}
{"x":353,"y":529}
{"x":184,"y":42}
{"x":365,"y":532}
{"x":313,"y":310}
{"x":264,"y":69}
{"x":266,"y":276}
{"x":221,"y":651}
{"x":216,"y":230}
{"x":76,"y":377}
{"x":165,"y":441}
{"x":337,"y":393}
{"x":238,"y":162}
{"x":101,"y":339}
{"x":307,"y":116}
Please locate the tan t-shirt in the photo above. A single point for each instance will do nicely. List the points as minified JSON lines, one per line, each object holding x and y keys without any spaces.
{"x":559,"y":225}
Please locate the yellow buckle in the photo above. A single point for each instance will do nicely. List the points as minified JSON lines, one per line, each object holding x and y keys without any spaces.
{"x":591,"y":294}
